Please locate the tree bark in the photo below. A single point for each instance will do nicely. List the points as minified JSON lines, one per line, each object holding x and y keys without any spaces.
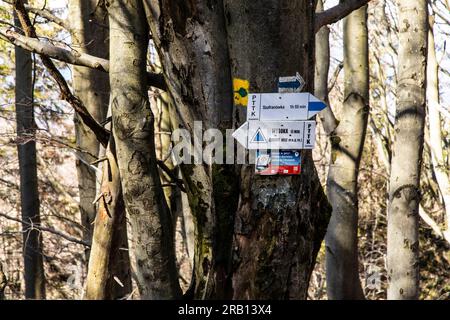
{"x":404,"y":193}
{"x":133,"y":130}
{"x":281,"y":221}
{"x":191,"y":40}
{"x":109,"y":275}
{"x":29,"y":194}
{"x":92,"y":87}
{"x":322,"y":68}
{"x":347,"y":143}
{"x":3,"y":282}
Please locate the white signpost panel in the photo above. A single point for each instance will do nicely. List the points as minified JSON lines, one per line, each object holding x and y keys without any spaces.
{"x":282,"y":106}
{"x":277,"y":135}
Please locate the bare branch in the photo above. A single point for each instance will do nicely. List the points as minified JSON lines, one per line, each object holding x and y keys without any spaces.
{"x":337,"y":12}
{"x":101,"y":133}
{"x":70,"y":56}
{"x":178,"y":182}
{"x":46,"y":229}
{"x":46,"y":14}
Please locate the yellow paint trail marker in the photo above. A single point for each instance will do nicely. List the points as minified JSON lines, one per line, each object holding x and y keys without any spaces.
{"x":240,"y":89}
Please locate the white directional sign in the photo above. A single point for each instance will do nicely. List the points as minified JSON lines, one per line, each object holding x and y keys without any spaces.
{"x":291,"y":84}
{"x":283,"y":106}
{"x":277,"y":135}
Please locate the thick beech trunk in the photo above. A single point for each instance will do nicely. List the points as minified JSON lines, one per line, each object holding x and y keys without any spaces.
{"x":281,"y":221}
{"x":191,"y":41}
{"x":132,"y":121}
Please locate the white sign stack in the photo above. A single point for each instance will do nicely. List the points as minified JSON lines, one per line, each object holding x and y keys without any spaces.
{"x":279,"y":121}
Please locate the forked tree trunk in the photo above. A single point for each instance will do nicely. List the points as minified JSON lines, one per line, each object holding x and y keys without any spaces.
{"x":281,"y":221}
{"x":132,"y":121}
{"x":347,"y":143}
{"x":404,"y":192}
{"x":89,"y":22}
{"x":29,"y":194}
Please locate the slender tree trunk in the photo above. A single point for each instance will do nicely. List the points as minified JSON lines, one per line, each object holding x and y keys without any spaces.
{"x":109,"y":275}
{"x":3,"y":283}
{"x":191,"y":40}
{"x":29,"y":194}
{"x":133,"y":130}
{"x":404,"y":193}
{"x":89,"y":22}
{"x":347,"y":143}
{"x":281,"y":221}
{"x":321,"y":74}
{"x":435,"y":124}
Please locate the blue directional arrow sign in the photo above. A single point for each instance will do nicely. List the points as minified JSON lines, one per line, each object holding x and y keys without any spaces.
{"x":283,"y":106}
{"x":291,"y":84}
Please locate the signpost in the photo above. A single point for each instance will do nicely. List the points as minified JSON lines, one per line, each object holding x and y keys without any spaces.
{"x":282,"y":162}
{"x":279,"y":123}
{"x":291,"y":84}
{"x":283,"y":106}
{"x":255,"y":135}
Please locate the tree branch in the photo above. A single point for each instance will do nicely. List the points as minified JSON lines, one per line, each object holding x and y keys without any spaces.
{"x":46,"y":14}
{"x":178,"y":182}
{"x":51,"y":230}
{"x":101,"y":133}
{"x":337,"y":12}
{"x":70,"y":56}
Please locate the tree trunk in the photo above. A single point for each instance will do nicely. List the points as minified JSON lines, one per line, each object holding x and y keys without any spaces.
{"x":3,"y":283}
{"x":191,"y":40}
{"x":347,"y":143}
{"x":281,"y":221}
{"x":322,"y":68}
{"x":29,"y":194}
{"x":133,"y":130}
{"x":404,"y":193}
{"x":435,"y":125}
{"x":109,"y":275}
{"x":89,"y":22}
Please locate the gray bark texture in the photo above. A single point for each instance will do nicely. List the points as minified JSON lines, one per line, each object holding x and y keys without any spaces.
{"x":281,"y":221}
{"x":347,"y":143}
{"x":89,"y":22}
{"x":29,"y":194}
{"x":404,"y":192}
{"x":132,"y":120}
{"x":321,"y":74}
{"x":191,"y":40}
